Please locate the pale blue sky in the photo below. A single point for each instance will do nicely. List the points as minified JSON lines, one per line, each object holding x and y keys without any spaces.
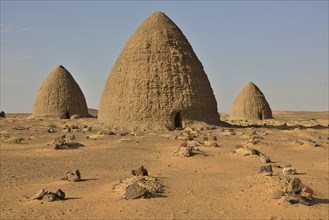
{"x":281,"y":46}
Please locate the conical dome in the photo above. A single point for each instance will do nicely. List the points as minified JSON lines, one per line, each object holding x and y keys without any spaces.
{"x":250,"y":104}
{"x":157,"y":81}
{"x":59,"y":97}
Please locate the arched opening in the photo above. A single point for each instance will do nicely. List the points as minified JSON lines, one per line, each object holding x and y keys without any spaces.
{"x":260,"y":115}
{"x":178,"y":120}
{"x":67,"y":115}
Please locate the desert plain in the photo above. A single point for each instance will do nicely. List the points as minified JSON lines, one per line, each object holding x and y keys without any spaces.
{"x":214,"y":182}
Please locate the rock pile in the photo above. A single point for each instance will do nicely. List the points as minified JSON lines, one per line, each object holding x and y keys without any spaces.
{"x":289,"y":170}
{"x":138,"y":186}
{"x":49,"y":196}
{"x":72,"y":176}
{"x":298,"y":193}
{"x":140,"y":171}
{"x":66,"y":142}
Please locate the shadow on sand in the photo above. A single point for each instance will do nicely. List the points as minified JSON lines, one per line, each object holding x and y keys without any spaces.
{"x":84,"y":180}
{"x":71,"y":198}
{"x":321,"y":201}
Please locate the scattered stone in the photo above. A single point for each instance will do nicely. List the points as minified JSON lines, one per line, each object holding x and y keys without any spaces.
{"x":96,"y":136}
{"x":296,"y":141}
{"x":295,"y":185}
{"x":252,"y":141}
{"x":293,"y":198}
{"x":65,"y":142}
{"x":68,"y":129}
{"x":307,"y":193}
{"x":230,"y":132}
{"x":255,"y":152}
{"x":312,"y":143}
{"x":87,"y":129}
{"x":193,"y":143}
{"x":140,"y":171}
{"x":244,"y":151}
{"x":148,"y":186}
{"x":210,"y":144}
{"x":19,"y":128}
{"x":75,"y":116}
{"x":180,"y":138}
{"x":2,"y":114}
{"x":74,"y":126}
{"x":289,"y":170}
{"x":267,"y":169}
{"x":205,"y":138}
{"x":264,"y":158}
{"x":184,"y":151}
{"x":110,"y":133}
{"x":135,"y":191}
{"x":51,"y":130}
{"x":277,"y":194}
{"x":125,"y":140}
{"x":184,"y":144}
{"x":72,"y":177}
{"x":49,"y":196}
{"x":39,"y":194}
{"x":16,"y":140}
{"x":60,"y":194}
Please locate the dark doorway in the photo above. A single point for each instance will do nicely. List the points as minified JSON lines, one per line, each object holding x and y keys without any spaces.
{"x":67,"y":115}
{"x":178,"y":120}
{"x":260,"y":115}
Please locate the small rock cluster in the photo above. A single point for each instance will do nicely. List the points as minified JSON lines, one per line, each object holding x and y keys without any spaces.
{"x":72,"y":176}
{"x":65,"y":142}
{"x":188,"y":149}
{"x":2,"y":114}
{"x":192,"y":139}
{"x":140,"y":171}
{"x":296,"y":193}
{"x":245,"y":151}
{"x":102,"y":134}
{"x":299,"y":141}
{"x":289,"y":170}
{"x":20,"y":128}
{"x":184,"y":151}
{"x":49,"y":196}
{"x":139,"y":186}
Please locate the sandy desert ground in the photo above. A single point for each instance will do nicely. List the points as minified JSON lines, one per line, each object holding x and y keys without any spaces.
{"x":214,"y":183}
